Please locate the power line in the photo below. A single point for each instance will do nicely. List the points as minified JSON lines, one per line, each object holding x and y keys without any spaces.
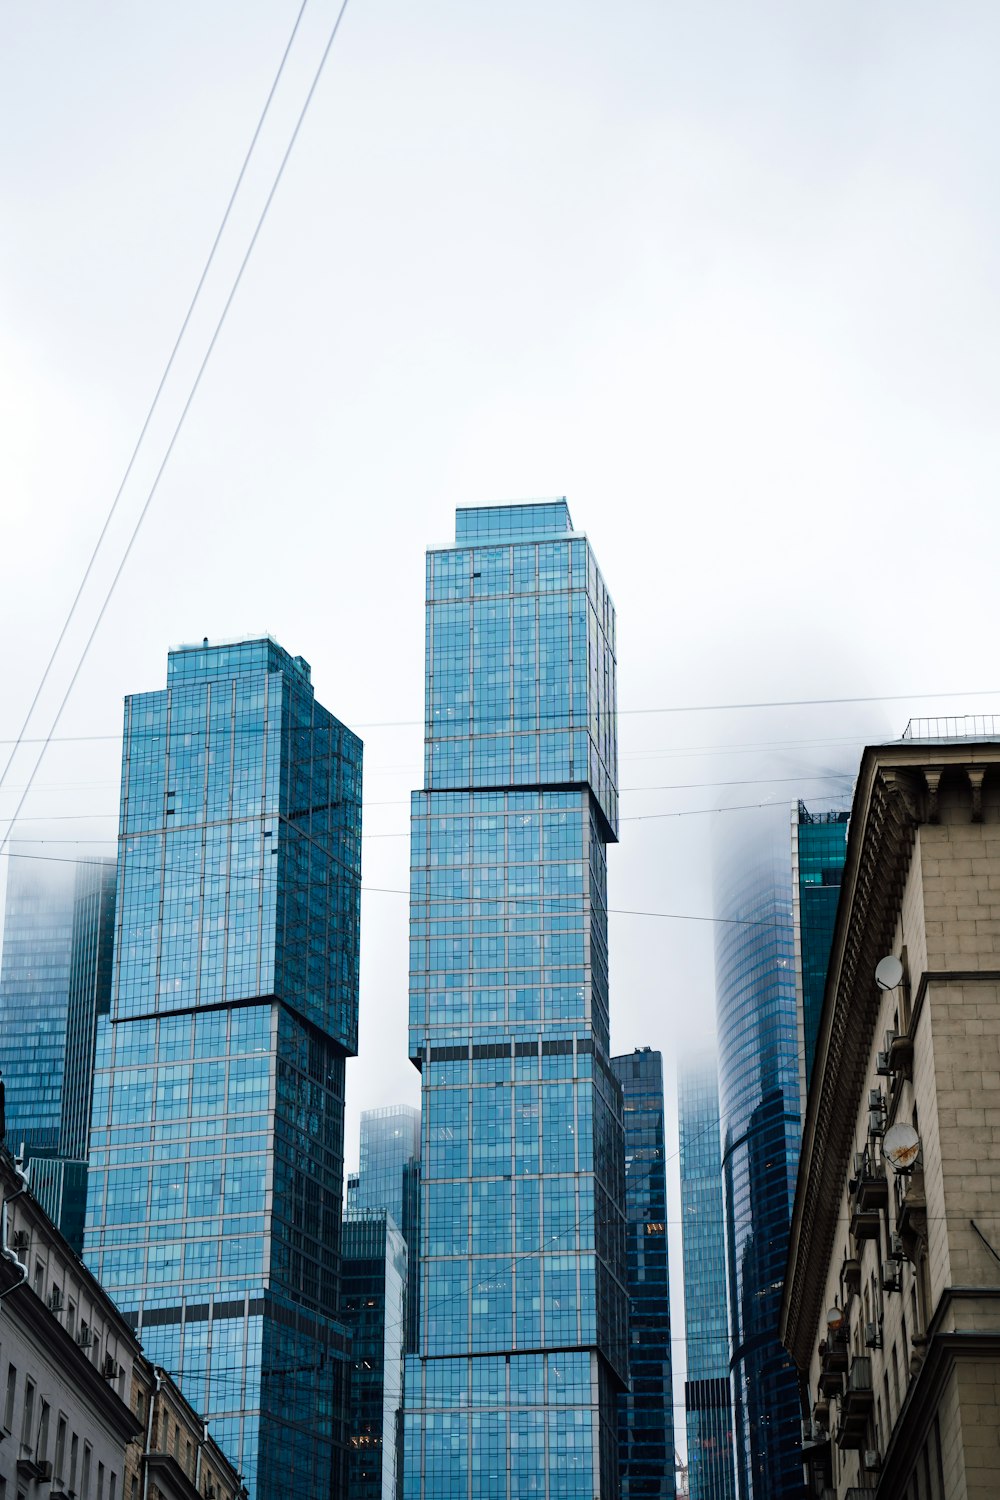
{"x":184,"y":411}
{"x":156,"y":396}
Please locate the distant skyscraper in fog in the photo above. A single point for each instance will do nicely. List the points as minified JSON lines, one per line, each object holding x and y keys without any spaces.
{"x":760,"y":1130}
{"x":34,"y":991}
{"x":707,"y":1393}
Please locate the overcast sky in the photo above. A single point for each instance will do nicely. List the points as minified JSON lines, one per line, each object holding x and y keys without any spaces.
{"x":724,"y":274}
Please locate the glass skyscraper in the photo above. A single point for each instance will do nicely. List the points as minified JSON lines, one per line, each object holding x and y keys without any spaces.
{"x":760,"y":1127}
{"x":373,"y":1304}
{"x":56,"y":978}
{"x":522,"y":1349}
{"x":819,"y":849}
{"x":707,"y":1396}
{"x":34,"y":989}
{"x":389,"y":1178}
{"x":214,"y":1209}
{"x":646,"y":1410}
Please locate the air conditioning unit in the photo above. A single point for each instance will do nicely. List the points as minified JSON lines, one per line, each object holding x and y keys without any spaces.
{"x":859,"y":1163}
{"x":883,"y":1067}
{"x":896,"y":1246}
{"x":20,"y":1239}
{"x":892,"y":1276}
{"x":873,"y":1336}
{"x":109,"y":1369}
{"x":44,"y":1467}
{"x":872,"y":1460}
{"x":55,"y":1302}
{"x":85,"y":1338}
{"x":876,"y":1100}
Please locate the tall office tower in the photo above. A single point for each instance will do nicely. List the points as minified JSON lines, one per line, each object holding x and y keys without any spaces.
{"x":819,"y":849}
{"x":89,"y":997}
{"x":646,"y":1410}
{"x":761,"y":1125}
{"x":34,"y":986}
{"x":374,"y":1308}
{"x":214,"y":1207}
{"x":60,"y":1182}
{"x":389,"y":1178}
{"x":523,"y":1323}
{"x":707,"y":1395}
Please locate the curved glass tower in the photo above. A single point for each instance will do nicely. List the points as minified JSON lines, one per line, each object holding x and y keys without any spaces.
{"x":760,"y":1118}
{"x":522,"y":1346}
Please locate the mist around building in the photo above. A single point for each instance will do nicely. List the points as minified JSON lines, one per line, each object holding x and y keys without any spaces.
{"x":199,"y":1297}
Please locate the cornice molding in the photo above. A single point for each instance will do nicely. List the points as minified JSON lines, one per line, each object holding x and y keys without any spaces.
{"x":898,"y":789}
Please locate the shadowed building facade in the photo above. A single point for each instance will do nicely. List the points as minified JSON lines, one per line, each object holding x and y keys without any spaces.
{"x":646,"y":1410}
{"x":522,"y":1348}
{"x":217,"y":1128}
{"x":707,"y":1394}
{"x":373,"y":1303}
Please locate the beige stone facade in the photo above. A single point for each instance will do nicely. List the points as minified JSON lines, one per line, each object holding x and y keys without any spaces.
{"x":83,"y":1414}
{"x":892,"y":1297}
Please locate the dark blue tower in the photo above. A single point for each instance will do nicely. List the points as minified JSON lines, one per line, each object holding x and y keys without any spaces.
{"x":646,"y":1411}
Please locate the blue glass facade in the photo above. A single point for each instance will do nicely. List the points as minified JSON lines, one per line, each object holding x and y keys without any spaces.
{"x":389,"y":1178}
{"x":761,"y":1128}
{"x":707,"y":1395}
{"x":34,"y":989}
{"x":89,"y":996}
{"x":216,"y":1178}
{"x":522,"y":1348}
{"x":646,"y":1410}
{"x":373,"y":1304}
{"x":819,"y":849}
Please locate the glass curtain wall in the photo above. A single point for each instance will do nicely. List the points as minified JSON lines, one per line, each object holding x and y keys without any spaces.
{"x":216,"y":1176}
{"x":760,"y":1116}
{"x":522,"y":1347}
{"x":646,"y":1410}
{"x":707,"y":1396}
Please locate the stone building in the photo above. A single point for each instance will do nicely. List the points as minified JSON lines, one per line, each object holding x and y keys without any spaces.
{"x":175,"y":1458}
{"x":83,"y":1414}
{"x":67,"y":1363}
{"x":891,"y":1306}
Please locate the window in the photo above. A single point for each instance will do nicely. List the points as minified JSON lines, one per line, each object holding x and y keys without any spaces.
{"x":74,"y":1454}
{"x":8,"y":1409}
{"x":43,"y":1431}
{"x":28,"y":1413}
{"x":39,"y":1276}
{"x":71,"y":1318}
{"x":85,"y":1479}
{"x":113,"y":1486}
{"x":100,"y":1481}
{"x":60,"y":1462}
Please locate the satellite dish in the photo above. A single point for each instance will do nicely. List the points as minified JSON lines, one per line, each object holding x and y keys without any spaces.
{"x":835,"y":1319}
{"x":888,"y":972}
{"x":900,"y":1147}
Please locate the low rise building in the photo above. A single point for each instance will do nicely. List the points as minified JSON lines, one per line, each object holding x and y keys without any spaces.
{"x":67,"y":1363}
{"x":83,"y":1414}
{"x":891,"y":1306}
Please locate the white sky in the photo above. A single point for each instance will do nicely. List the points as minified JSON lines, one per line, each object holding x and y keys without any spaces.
{"x":724,"y":274}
